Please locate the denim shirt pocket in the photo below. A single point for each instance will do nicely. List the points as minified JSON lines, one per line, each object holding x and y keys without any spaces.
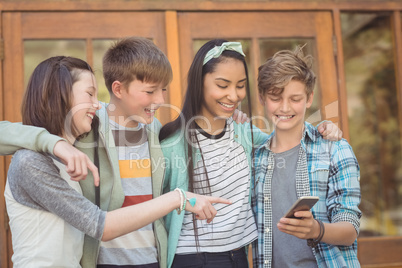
{"x":319,"y":173}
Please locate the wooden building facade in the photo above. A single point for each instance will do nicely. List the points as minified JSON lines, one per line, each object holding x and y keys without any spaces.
{"x":332,"y":30}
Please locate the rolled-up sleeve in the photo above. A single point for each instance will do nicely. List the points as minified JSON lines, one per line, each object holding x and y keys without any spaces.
{"x":344,"y":193}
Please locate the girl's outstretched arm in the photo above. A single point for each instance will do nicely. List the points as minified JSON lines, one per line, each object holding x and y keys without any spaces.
{"x":131,"y":218}
{"x":36,"y":182}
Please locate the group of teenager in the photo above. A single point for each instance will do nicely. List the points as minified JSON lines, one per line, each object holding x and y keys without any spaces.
{"x":193,"y":193}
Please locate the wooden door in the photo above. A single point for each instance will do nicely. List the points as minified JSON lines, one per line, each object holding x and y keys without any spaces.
{"x":72,"y":34}
{"x":262,"y":34}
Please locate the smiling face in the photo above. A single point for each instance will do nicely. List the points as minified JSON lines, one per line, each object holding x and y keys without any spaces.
{"x":286,"y":110}
{"x":85,"y":102}
{"x":137,"y":103}
{"x":223,"y":90}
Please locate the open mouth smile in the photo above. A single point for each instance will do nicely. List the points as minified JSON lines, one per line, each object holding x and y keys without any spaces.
{"x":227,"y":106}
{"x":91,"y":115}
{"x":284,"y":117}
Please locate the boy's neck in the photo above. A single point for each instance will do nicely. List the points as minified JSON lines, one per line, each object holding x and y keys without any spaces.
{"x":284,"y":140}
{"x":117,"y":115}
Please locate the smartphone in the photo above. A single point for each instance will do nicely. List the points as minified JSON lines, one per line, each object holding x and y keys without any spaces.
{"x":303,"y":203}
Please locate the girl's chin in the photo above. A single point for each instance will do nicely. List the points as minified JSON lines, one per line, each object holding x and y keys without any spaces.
{"x":226,"y":114}
{"x":223,"y":117}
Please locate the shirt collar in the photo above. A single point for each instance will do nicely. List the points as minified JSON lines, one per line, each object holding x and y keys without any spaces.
{"x":310,"y":133}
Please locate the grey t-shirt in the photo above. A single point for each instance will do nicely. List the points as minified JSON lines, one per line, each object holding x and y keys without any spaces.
{"x":35,"y":182}
{"x":288,"y":250}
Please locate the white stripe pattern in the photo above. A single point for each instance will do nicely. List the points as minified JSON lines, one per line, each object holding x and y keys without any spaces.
{"x":228,"y":174}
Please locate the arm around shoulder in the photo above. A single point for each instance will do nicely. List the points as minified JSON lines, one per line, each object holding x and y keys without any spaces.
{"x":259,"y":137}
{"x":14,"y":136}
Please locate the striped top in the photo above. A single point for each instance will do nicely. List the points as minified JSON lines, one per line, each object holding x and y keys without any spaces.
{"x":136,"y":249}
{"x":228,"y":173}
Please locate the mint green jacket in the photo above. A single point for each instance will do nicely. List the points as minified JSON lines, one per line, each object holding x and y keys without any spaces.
{"x":17,"y":136}
{"x":174,"y":148}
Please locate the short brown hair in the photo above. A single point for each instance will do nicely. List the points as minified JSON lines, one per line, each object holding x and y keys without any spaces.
{"x":284,"y":66}
{"x":136,"y":58}
{"x":48,"y":98}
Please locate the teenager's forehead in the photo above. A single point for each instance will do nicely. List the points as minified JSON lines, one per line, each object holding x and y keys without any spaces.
{"x":147,"y":84}
{"x":227,"y":65}
{"x":293,"y":88}
{"x":162,"y":79}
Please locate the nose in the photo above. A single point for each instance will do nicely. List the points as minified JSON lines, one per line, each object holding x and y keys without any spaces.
{"x":159,"y":97}
{"x":232,"y":94}
{"x":96,"y":104}
{"x":285,"y":106}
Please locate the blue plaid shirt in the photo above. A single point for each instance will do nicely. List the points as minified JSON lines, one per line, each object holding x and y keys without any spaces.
{"x":325,"y":169}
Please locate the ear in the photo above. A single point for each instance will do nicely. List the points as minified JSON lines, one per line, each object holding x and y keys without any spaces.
{"x":117,"y":88}
{"x":261,"y":99}
{"x":310,"y":100}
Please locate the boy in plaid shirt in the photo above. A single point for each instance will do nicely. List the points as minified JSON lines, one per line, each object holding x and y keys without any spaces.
{"x":296,"y":161}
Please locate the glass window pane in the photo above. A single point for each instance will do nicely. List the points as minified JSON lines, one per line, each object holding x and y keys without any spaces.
{"x":99,"y":47}
{"x":36,"y":51}
{"x":373,"y":119}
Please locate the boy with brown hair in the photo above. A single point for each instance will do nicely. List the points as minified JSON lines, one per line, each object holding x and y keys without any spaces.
{"x":294,"y":162}
{"x":136,"y":75}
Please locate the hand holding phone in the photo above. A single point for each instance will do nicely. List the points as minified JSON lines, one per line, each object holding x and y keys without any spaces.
{"x":302,"y":204}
